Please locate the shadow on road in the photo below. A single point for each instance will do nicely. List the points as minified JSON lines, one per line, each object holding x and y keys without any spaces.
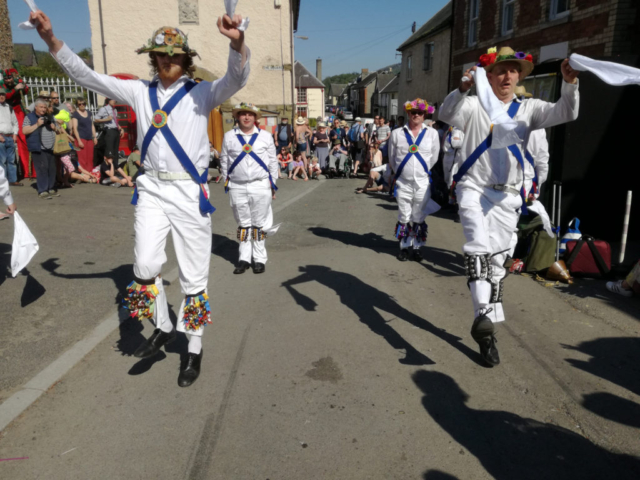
{"x":32,"y":291}
{"x":613,"y":407}
{"x":595,"y":288}
{"x":510,"y":446}
{"x":364,"y":299}
{"x":224,"y":248}
{"x":437,"y":260}
{"x":438,"y":475}
{"x":5,"y":262}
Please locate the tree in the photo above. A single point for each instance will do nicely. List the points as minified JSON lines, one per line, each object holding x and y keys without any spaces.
{"x":6,"y":39}
{"x":343,"y":78}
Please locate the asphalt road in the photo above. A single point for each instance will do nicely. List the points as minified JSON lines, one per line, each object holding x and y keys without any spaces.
{"x":338,"y":363}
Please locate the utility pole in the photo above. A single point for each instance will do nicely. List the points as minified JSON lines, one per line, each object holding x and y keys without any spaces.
{"x":6,"y":39}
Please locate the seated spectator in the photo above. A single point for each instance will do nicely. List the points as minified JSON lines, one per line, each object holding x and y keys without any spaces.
{"x":110,"y":174}
{"x":337,"y":158}
{"x":314,"y":169}
{"x":286,"y":162}
{"x":132,"y":167}
{"x":377,"y":158}
{"x":381,"y":176}
{"x":298,"y":167}
{"x":629,"y":285}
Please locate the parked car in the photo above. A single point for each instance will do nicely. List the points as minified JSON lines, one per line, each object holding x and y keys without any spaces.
{"x":347,"y":115}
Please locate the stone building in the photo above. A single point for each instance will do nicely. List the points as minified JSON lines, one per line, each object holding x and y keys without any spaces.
{"x":6,"y":40}
{"x":389,"y":99}
{"x":426,"y":60}
{"x":309,"y":93}
{"x":126,"y":26}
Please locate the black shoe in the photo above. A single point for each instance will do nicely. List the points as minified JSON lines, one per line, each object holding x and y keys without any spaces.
{"x":482,"y":332}
{"x":403,"y":256}
{"x":152,"y":345}
{"x":191,"y":370}
{"x":258,"y":267}
{"x":242,"y":267}
{"x":417,"y":256}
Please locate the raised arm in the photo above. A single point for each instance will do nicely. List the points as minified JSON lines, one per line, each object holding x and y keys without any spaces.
{"x":124,"y":90}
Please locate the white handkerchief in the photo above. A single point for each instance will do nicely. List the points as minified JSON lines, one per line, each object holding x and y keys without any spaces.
{"x":28,"y":25}
{"x":271,"y":231}
{"x":537,"y":207}
{"x":230,"y":7}
{"x":506,"y":131}
{"x":431,"y":207}
{"x":24,"y":247}
{"x":609,"y":72}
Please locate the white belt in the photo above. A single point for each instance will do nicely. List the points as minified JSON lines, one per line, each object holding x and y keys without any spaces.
{"x":505,"y":189}
{"x":171,"y":175}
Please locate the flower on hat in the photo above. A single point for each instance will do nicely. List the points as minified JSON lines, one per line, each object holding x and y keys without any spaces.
{"x":407,"y":106}
{"x":487,"y":59}
{"x":431,"y":109}
{"x":529,"y":58}
{"x":160,"y":39}
{"x":520,"y":55}
{"x":493,"y":50}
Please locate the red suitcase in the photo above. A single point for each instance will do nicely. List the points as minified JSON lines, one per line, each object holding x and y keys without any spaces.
{"x":588,"y":257}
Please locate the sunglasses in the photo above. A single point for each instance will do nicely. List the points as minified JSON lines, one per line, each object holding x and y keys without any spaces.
{"x":82,"y":104}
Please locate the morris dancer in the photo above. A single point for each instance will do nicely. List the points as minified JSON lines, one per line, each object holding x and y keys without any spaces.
{"x":250,"y":165}
{"x":413,"y":150}
{"x":489,"y":183}
{"x":172,"y":195}
{"x":16,"y":89}
{"x":451,"y":147}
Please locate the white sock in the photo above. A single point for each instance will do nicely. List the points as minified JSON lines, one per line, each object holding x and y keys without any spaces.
{"x":195,"y":344}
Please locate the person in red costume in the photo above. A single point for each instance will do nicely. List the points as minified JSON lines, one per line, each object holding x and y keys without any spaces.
{"x":15,"y":91}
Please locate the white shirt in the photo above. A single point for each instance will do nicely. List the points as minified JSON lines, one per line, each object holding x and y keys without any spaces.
{"x":538,"y":147}
{"x":5,"y":193}
{"x":451,"y":151}
{"x":8,"y":120}
{"x":399,"y":148}
{"x":499,"y":166}
{"x":248,"y":170}
{"x":189,"y":119}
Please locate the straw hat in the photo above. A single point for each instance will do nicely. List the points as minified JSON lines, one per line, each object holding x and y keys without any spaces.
{"x":322,"y":125}
{"x":520,"y":91}
{"x":246,"y":107}
{"x":506,"y":54}
{"x":344,"y":124}
{"x":44,"y":94}
{"x":168,"y":40}
{"x":299,"y":121}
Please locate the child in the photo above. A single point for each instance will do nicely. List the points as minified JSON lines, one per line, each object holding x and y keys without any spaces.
{"x":314,"y":169}
{"x":110,"y":174}
{"x":285,"y":161}
{"x":298,"y":167}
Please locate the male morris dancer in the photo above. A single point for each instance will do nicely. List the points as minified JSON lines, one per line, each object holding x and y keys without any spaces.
{"x":489,"y":181}
{"x":413,"y":151}
{"x":249,"y":163}
{"x":16,"y":89}
{"x":172,"y":196}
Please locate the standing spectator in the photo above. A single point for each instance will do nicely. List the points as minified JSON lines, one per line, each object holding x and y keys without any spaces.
{"x":111,"y":174}
{"x":108,"y":117}
{"x":345,"y":138}
{"x":303,"y":132}
{"x":41,"y":136}
{"x":392,"y":124}
{"x":283,"y":135}
{"x":8,"y":138}
{"x":85,"y":134}
{"x":384,"y":132}
{"x":356,"y":139}
{"x":321,"y":141}
{"x":16,"y":89}
{"x":400,"y":122}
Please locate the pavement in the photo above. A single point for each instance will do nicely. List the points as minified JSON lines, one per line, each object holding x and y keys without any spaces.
{"x":339,"y":362}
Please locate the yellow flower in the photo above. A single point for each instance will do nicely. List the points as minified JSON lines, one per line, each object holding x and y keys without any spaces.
{"x":493,"y":50}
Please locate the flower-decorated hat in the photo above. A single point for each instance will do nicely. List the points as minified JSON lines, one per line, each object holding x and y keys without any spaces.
{"x":520,"y":91}
{"x":419,"y":104}
{"x":11,"y":72}
{"x":506,"y":54}
{"x":247,"y":107}
{"x":168,"y":40}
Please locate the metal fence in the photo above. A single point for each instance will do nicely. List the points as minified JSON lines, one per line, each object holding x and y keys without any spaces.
{"x":66,"y":88}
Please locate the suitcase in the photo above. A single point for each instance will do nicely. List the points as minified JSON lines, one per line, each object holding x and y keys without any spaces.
{"x":588,"y":257}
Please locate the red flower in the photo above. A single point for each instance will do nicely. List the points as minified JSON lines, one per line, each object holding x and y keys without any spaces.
{"x":485,"y":59}
{"x":529,"y":58}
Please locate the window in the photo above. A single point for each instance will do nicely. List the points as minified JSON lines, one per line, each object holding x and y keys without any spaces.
{"x":474,"y":14}
{"x":302,"y":95}
{"x":428,"y":57}
{"x":409,"y":67}
{"x":559,"y":9}
{"x":507,"y":16}
{"x":302,"y":111}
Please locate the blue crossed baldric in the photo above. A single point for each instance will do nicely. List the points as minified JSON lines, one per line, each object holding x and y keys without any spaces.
{"x":247,"y":149}
{"x":414,"y":150}
{"x":159,"y":123}
{"x":486,"y":144}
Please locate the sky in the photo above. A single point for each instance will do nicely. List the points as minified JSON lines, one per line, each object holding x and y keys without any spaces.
{"x":348,"y":35}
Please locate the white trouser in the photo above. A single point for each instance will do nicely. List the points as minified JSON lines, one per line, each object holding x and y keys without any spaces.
{"x":489,"y":219}
{"x":251,"y":205}
{"x":412,"y":198}
{"x":171,"y":206}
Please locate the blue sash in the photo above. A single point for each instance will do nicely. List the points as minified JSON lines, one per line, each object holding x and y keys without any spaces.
{"x":185,"y":161}
{"x":485,"y":145}
{"x":529,"y":158}
{"x":413,"y":151}
{"x":247,"y":148}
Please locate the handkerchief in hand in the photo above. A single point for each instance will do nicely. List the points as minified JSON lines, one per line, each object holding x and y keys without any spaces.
{"x":25,"y":245}
{"x":230,"y":7}
{"x":28,"y":25}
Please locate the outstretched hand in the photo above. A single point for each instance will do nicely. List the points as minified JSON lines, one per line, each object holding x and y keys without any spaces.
{"x":468,"y":81}
{"x":229,"y":28}
{"x":45,"y":30}
{"x":569,"y":74}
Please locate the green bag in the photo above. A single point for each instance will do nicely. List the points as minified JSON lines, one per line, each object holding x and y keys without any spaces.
{"x":540,"y":247}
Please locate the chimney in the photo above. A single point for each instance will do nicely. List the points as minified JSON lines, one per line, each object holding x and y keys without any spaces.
{"x":319,"y":69}
{"x":365,"y":72}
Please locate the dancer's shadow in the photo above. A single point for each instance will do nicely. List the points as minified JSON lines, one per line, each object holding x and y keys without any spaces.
{"x":387,"y":206}
{"x":513,"y":447}
{"x":437,"y":260}
{"x":5,"y":262}
{"x":32,"y":291}
{"x":614,"y":408}
{"x":364,"y":299}
{"x":224,"y":248}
